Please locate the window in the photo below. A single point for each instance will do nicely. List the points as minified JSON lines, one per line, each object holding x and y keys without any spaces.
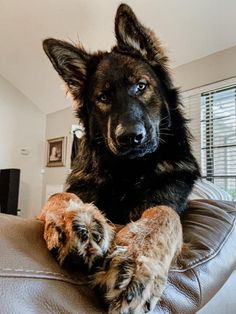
{"x":212,"y":113}
{"x":218,"y":137}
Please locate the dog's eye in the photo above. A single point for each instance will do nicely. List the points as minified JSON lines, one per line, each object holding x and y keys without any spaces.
{"x":141,"y":86}
{"x":103,"y":97}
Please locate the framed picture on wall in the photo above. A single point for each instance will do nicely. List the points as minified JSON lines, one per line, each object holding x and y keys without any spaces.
{"x":56,"y":152}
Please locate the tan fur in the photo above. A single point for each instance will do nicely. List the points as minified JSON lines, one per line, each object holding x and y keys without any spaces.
{"x":60,"y":213}
{"x":109,"y":138}
{"x":151,"y":243}
{"x":102,"y":106}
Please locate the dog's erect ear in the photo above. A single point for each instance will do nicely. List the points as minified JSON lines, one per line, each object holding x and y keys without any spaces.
{"x":132,"y":35}
{"x":69,"y":61}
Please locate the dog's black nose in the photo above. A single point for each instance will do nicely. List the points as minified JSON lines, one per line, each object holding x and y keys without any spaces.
{"x":132,"y":135}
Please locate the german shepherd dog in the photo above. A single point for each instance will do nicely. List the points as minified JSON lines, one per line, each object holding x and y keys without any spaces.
{"x":134,"y":167}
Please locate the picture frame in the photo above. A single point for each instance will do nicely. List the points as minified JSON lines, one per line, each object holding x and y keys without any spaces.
{"x":56,"y":152}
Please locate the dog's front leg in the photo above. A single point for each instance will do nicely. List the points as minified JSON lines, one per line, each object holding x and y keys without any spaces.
{"x":135,"y":272}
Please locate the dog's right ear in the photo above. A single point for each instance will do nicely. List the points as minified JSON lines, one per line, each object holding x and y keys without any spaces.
{"x":132,"y":35}
{"x":69,"y":61}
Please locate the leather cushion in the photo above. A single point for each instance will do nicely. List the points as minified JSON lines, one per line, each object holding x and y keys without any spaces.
{"x":31,"y":281}
{"x":209,"y":226}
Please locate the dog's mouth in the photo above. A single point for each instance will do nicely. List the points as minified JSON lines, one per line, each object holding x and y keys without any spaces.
{"x":132,"y":152}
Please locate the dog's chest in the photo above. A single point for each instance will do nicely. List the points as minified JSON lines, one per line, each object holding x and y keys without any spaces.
{"x":120,"y":197}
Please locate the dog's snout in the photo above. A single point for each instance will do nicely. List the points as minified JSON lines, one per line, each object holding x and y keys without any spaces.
{"x":131,"y":135}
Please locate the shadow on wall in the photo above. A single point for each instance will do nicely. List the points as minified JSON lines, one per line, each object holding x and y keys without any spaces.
{"x":24,"y":201}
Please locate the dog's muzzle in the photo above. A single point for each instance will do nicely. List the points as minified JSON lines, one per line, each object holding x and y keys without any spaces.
{"x":130,"y":136}
{"x":132,"y":140}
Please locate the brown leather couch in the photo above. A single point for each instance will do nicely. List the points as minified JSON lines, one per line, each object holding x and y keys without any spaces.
{"x":32,"y":282}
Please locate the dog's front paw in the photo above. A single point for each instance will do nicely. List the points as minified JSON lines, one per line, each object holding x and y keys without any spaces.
{"x":75,"y":232}
{"x":133,"y":282}
{"x":133,"y":279}
{"x":135,"y":271}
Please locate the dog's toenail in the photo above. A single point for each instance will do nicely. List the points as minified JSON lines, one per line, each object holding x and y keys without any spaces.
{"x":148,"y":306}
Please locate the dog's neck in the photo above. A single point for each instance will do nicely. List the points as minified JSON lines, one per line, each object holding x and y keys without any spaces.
{"x":106,"y":161}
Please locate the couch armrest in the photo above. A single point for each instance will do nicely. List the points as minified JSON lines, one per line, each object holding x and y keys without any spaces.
{"x":31,"y":281}
{"x":209,"y":226}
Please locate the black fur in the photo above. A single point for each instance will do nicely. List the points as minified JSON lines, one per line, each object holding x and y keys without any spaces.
{"x":148,"y":161}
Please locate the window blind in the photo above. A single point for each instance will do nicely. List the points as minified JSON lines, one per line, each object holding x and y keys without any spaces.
{"x":218,"y":137}
{"x":192,"y":110}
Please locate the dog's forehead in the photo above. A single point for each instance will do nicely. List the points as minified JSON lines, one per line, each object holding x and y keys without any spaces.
{"x":117,"y":67}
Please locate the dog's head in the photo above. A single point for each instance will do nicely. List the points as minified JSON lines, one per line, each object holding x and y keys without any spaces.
{"x":122,"y":96}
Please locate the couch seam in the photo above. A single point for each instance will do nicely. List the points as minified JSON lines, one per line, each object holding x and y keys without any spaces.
{"x":199,"y":286}
{"x":58,"y":276}
{"x":209,"y":256}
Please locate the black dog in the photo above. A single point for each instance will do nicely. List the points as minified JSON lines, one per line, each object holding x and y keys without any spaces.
{"x":134,"y":158}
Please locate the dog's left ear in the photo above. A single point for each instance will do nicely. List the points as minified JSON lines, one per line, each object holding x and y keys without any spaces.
{"x":132,"y":35}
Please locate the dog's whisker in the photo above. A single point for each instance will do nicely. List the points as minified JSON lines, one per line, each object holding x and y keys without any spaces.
{"x":162,"y":141}
{"x":166,"y":134}
{"x":164,"y":127}
{"x":164,"y":118}
{"x":165,"y":121}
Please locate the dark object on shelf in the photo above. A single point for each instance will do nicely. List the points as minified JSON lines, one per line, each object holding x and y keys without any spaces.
{"x":9,"y":190}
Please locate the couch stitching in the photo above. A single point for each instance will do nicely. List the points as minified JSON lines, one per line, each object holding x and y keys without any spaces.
{"x":194,"y":262}
{"x":31,"y":271}
{"x":199,"y":286}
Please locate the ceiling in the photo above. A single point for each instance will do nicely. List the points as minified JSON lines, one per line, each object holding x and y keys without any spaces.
{"x":189,"y":29}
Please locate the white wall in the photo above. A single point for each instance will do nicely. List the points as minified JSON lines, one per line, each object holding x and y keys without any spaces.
{"x":210,"y":69}
{"x":22,"y":126}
